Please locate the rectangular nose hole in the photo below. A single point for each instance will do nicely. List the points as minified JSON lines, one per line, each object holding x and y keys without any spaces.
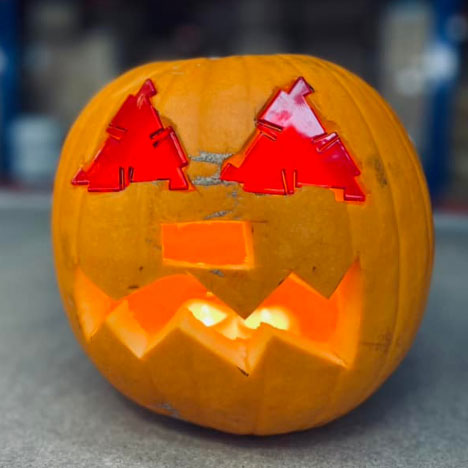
{"x":208,"y":244}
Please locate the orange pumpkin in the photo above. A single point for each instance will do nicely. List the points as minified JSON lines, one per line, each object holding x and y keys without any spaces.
{"x":206,"y":285}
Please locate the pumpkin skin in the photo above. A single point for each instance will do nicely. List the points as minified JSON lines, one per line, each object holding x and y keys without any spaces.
{"x":371,"y":260}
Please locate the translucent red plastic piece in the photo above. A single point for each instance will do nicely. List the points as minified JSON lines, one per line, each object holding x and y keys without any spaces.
{"x":138,"y":149}
{"x":291,"y":149}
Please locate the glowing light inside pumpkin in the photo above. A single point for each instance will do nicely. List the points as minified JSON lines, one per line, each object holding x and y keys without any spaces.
{"x":232,"y":326}
{"x":206,"y":313}
{"x":294,"y":307}
{"x":276,"y":317}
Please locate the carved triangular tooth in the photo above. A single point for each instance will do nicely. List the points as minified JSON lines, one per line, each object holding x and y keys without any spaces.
{"x":245,"y":354}
{"x":267,"y":336}
{"x":95,"y":308}
{"x":92,"y":304}
{"x":184,"y":322}
{"x":127,"y":329}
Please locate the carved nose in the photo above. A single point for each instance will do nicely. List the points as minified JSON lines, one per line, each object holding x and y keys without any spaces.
{"x":208,"y":244}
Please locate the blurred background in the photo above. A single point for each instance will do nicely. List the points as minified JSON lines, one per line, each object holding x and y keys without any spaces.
{"x":55,"y":54}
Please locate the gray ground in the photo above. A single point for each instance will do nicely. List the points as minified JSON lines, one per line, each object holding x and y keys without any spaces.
{"x":56,"y":410}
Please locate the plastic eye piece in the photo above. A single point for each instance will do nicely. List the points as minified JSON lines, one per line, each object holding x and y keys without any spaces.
{"x":138,"y":149}
{"x":291,"y":149}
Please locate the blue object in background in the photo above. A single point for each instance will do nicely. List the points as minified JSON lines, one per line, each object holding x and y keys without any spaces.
{"x":443,"y":64}
{"x":8,"y":76}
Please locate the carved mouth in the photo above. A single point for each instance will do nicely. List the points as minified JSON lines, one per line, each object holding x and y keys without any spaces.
{"x":294,"y":311}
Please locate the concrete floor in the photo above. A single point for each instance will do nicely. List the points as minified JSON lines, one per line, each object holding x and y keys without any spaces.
{"x":56,"y":410}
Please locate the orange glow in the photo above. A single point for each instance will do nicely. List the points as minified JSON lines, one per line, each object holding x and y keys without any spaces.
{"x":155,"y":304}
{"x":329,"y":324}
{"x":208,"y":244}
{"x":206,"y":313}
{"x":93,"y":305}
{"x":229,"y":324}
{"x":316,"y":315}
{"x":275,"y":316}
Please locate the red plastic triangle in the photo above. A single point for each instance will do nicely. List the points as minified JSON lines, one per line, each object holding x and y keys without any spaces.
{"x":291,"y":148}
{"x":138,"y":149}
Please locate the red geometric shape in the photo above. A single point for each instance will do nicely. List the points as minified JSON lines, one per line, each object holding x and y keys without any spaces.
{"x":138,"y":149}
{"x":291,"y":149}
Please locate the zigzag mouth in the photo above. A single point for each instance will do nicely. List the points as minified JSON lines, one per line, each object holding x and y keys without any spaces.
{"x":294,"y":311}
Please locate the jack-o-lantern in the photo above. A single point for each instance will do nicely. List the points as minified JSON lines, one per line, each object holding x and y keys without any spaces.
{"x":244,"y":243}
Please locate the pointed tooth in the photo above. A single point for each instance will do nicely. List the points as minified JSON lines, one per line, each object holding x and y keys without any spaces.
{"x":126,"y":328}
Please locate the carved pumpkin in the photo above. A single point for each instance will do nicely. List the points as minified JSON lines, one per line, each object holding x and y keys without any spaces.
{"x":244,"y":243}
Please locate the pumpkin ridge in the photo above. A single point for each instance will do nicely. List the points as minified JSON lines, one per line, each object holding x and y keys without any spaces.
{"x":414,"y":160}
{"x":420,"y":193}
{"x":341,"y":375}
{"x":201,"y":109}
{"x":389,"y":365}
{"x":418,"y":172}
{"x":336,"y":75}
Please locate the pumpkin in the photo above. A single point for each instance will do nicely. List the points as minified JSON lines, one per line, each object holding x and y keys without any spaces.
{"x":244,"y":243}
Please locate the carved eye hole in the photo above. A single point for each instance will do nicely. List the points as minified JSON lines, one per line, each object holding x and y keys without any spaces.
{"x":138,"y":149}
{"x":291,"y":149}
